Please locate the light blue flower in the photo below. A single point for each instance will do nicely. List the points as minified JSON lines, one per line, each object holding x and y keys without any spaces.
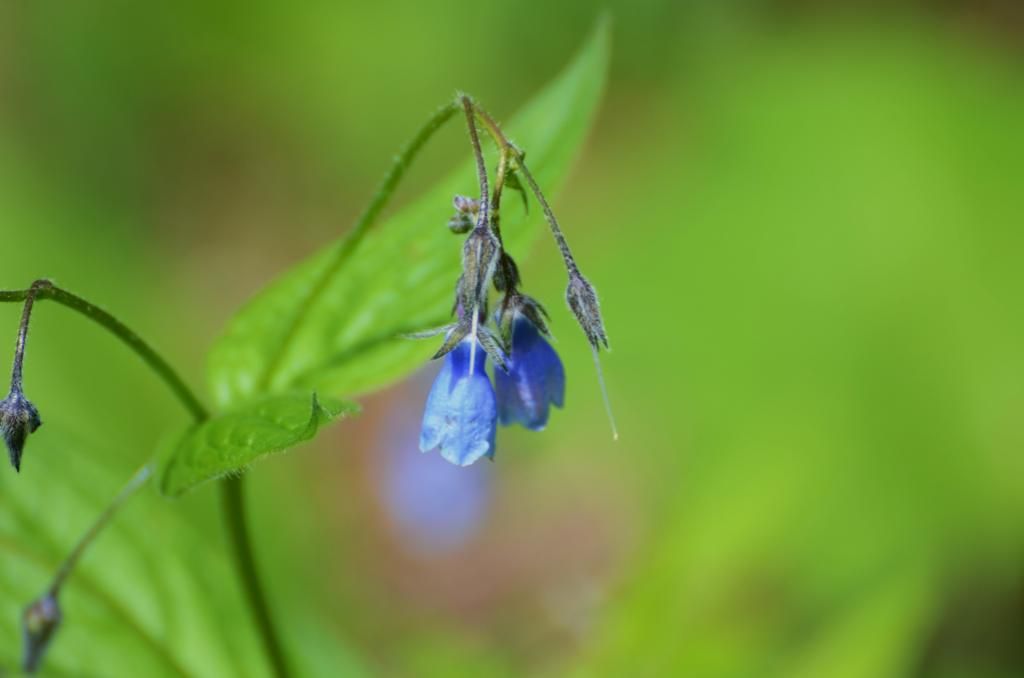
{"x":534,"y":381}
{"x":461,"y":413}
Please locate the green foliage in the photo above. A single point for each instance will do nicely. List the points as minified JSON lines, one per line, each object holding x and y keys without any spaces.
{"x":805,"y":232}
{"x":230,"y":442}
{"x":154,"y":596}
{"x":336,"y":328}
{"x":156,"y":599}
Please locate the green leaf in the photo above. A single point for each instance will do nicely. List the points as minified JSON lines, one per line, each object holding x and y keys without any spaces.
{"x":230,"y":442}
{"x":336,"y":329}
{"x":148,"y":599}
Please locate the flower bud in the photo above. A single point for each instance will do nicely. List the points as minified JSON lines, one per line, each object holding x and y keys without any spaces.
{"x":516,"y":304}
{"x":18,"y":418}
{"x":582,"y":300}
{"x":466,"y":205}
{"x":506,"y":276}
{"x":479,"y":259}
{"x":39,"y":623}
{"x":460,"y":223}
{"x":466,"y":210}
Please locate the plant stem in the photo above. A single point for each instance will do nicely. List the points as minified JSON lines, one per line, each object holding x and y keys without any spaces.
{"x":492,"y":127}
{"x":233,"y":498}
{"x":233,"y":504}
{"x":362,"y":226}
{"x":19,"y":349}
{"x":481,"y":166}
{"x":43,"y":289}
{"x":499,"y":186}
{"x":549,"y":215}
{"x":136,"y":482}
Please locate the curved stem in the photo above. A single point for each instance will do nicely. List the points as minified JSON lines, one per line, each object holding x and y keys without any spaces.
{"x":362,"y":226}
{"x":233,"y":498}
{"x":481,"y":167}
{"x":549,"y":215}
{"x":44,"y":289}
{"x":19,"y":349}
{"x":137,"y":481}
{"x":492,"y":127}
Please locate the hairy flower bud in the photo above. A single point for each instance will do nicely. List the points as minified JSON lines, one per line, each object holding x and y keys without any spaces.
{"x":460,"y":223}
{"x":466,"y":205}
{"x":39,"y":623}
{"x":582,"y":298}
{"x":466,"y":210}
{"x":506,"y":276}
{"x":479,"y":259}
{"x":517,"y":304}
{"x":18,"y":419}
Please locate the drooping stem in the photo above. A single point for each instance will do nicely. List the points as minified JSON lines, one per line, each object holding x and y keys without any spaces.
{"x":492,"y":127}
{"x":499,"y":186}
{"x":44,"y":289}
{"x":549,"y":215}
{"x":133,"y":485}
{"x":233,"y":498}
{"x":19,"y":349}
{"x":483,"y":220}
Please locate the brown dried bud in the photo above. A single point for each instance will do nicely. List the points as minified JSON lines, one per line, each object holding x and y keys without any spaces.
{"x":582,"y":298}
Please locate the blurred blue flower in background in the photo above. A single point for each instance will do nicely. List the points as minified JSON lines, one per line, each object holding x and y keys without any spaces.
{"x":534,"y":381}
{"x":435,"y":507}
{"x":461,"y":412}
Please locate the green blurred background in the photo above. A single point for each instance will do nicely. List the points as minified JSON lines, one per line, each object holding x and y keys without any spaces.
{"x":806,"y":227}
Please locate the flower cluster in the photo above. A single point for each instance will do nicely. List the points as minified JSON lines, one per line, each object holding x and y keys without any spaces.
{"x":464,"y":408}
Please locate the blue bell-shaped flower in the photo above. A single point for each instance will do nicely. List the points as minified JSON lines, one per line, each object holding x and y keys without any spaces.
{"x":535,"y":378}
{"x":461,"y":413}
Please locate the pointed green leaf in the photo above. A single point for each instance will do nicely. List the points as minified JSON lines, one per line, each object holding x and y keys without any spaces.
{"x":228,"y":443}
{"x":336,"y":329}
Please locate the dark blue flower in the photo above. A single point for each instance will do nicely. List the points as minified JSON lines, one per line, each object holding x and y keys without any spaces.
{"x":535,"y":379}
{"x":461,"y":413}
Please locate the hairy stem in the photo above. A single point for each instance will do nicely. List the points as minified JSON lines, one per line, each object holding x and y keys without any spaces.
{"x":499,"y":186}
{"x":549,"y":215}
{"x":492,"y":127}
{"x":19,"y":349}
{"x":481,"y":166}
{"x":233,"y":504}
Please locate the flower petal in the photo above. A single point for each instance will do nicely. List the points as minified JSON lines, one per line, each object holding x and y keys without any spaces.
{"x":535,"y":379}
{"x":461,"y":413}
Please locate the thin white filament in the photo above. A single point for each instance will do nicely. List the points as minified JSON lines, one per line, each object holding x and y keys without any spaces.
{"x":604,"y":394}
